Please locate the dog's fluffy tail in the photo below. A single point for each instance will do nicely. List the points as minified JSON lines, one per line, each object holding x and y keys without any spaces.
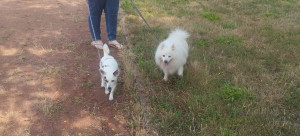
{"x":105,"y":50}
{"x":179,"y":33}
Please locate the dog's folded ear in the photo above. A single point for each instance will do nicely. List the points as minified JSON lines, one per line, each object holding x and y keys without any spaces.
{"x":102,"y":72}
{"x":116,"y":73}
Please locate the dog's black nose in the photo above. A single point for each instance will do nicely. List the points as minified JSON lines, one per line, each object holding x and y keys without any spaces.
{"x":166,"y":61}
{"x":109,"y":88}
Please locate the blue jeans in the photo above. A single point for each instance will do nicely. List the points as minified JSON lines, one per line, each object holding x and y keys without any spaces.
{"x":111,"y":8}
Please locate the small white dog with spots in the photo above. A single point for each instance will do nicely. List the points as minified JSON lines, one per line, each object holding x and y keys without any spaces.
{"x":109,"y":72}
{"x":172,"y":53}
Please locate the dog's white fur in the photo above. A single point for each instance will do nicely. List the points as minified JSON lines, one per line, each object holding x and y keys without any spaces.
{"x":109,"y":72}
{"x":172,"y":53}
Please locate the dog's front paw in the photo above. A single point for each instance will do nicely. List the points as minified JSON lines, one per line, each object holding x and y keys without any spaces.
{"x":106,"y":92}
{"x":111,"y":97}
{"x":180,"y":71}
{"x":165,"y":79}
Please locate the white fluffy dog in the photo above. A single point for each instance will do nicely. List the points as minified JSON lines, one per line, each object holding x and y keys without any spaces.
{"x":109,"y":72}
{"x":172,"y":53}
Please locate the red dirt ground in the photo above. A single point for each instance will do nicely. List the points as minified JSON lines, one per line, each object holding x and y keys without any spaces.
{"x":49,"y":78}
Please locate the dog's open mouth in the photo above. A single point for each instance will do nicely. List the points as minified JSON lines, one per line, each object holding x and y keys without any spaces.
{"x":166,"y":63}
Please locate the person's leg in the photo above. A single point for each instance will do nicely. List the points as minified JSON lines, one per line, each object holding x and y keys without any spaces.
{"x":111,"y":16}
{"x":95,"y":9}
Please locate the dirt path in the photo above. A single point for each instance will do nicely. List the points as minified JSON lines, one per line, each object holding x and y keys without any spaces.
{"x":49,"y":78}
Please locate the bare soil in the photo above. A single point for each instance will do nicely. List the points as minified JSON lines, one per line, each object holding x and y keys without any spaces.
{"x":49,"y":78}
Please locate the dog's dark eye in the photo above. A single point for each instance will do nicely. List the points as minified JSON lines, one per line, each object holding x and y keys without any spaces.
{"x":169,"y":56}
{"x":112,"y":80}
{"x":163,"y":55}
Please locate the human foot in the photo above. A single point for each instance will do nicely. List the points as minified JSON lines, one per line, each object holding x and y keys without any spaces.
{"x":98,"y":44}
{"x":115,"y":44}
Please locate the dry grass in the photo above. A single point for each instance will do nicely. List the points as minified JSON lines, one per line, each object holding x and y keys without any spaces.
{"x":3,"y":91}
{"x":242,"y":76}
{"x":129,"y":71}
{"x":137,"y":109}
{"x":52,"y":71}
{"x":9,"y":122}
{"x":138,"y":124}
{"x":49,"y":107}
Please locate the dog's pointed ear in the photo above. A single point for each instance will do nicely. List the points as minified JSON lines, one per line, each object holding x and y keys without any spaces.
{"x":173,"y":47}
{"x":116,"y":73}
{"x":102,"y":72}
{"x":162,"y":46}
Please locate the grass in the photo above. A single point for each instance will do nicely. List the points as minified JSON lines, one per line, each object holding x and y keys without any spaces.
{"x":51,"y":71}
{"x":242,"y":75}
{"x":2,"y":90}
{"x":49,"y":107}
{"x":210,"y":16}
{"x":230,"y":94}
{"x":292,"y":99}
{"x":229,"y":26}
{"x":87,"y":84}
{"x":77,"y":100}
{"x":126,"y":4}
{"x":271,"y":15}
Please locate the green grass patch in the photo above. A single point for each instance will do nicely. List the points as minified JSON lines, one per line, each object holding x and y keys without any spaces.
{"x":229,"y":93}
{"x":203,"y":43}
{"x":271,"y":15}
{"x":210,"y":16}
{"x":227,"y":40}
{"x":229,"y":26}
{"x":126,"y":4}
